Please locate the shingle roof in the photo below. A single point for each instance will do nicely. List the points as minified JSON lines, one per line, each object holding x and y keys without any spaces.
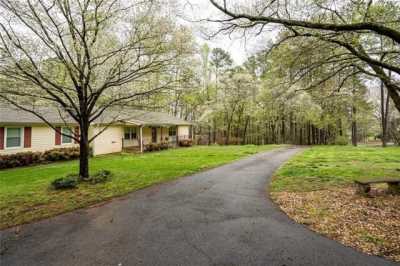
{"x":13,"y":115}
{"x":142,"y":117}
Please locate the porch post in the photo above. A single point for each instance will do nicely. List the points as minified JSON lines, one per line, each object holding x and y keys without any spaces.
{"x":177,"y":135}
{"x":141,"y":138}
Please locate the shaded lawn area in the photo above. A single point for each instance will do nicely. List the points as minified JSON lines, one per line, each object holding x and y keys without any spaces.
{"x":25,"y":193}
{"x":315,"y":188}
{"x":323,"y":167}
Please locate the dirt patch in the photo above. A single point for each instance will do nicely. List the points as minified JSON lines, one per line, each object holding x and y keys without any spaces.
{"x":369,"y":224}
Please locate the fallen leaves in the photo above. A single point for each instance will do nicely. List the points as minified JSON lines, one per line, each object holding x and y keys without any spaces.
{"x":370,"y":224}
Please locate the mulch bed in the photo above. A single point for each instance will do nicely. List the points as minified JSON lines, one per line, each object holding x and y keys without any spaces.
{"x":369,"y":224}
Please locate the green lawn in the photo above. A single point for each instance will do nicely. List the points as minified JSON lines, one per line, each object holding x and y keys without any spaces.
{"x":322,"y":167}
{"x":25,"y":194}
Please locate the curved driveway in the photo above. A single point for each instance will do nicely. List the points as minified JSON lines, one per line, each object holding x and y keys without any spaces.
{"x":217,"y":217}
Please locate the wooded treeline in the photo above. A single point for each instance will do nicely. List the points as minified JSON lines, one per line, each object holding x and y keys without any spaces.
{"x":324,"y":81}
{"x":264,"y":101}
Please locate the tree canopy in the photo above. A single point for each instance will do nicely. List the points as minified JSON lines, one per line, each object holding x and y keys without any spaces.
{"x":364,"y":34}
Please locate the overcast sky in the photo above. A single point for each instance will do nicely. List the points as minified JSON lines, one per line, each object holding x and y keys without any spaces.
{"x":238,"y":47}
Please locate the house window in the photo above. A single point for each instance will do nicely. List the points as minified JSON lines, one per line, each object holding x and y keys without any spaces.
{"x":130,"y":133}
{"x":13,"y":137}
{"x":66,"y":135}
{"x":172,"y":131}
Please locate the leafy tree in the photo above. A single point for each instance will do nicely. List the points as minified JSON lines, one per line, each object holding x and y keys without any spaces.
{"x":235,"y":104}
{"x":205,"y":59}
{"x":351,"y":28}
{"x":82,"y":57}
{"x":221,"y":61}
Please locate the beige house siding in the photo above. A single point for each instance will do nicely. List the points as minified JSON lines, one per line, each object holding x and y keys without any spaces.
{"x":43,"y":138}
{"x":163,"y":134}
{"x":183,"y":131}
{"x":146,"y":135}
{"x":109,"y":141}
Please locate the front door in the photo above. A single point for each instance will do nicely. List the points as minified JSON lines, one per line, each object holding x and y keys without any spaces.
{"x":154,"y":134}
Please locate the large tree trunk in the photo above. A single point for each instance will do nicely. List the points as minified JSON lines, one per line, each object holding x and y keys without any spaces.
{"x":84,"y":152}
{"x":392,"y":89}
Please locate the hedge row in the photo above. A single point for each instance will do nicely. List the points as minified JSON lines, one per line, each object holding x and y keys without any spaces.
{"x":29,"y":158}
{"x":165,"y":145}
{"x":186,"y":143}
{"x":157,"y":146}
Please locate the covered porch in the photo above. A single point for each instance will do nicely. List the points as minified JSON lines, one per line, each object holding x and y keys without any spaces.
{"x":145,"y":137}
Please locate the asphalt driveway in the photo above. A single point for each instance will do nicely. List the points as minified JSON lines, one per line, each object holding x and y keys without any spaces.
{"x":217,"y":217}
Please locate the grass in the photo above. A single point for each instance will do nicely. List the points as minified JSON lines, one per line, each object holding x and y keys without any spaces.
{"x":313,"y":188}
{"x":323,"y":167}
{"x":25,"y":194}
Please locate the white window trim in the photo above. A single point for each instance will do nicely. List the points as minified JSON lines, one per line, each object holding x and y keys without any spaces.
{"x":176,"y":131}
{"x":22,"y":139}
{"x":127,"y":130}
{"x":131,"y":130}
{"x":72,"y":140}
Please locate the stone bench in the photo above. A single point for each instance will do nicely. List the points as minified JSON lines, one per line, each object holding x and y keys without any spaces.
{"x":364,"y":186}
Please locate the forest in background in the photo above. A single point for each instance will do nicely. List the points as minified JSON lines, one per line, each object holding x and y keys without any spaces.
{"x":280,"y":95}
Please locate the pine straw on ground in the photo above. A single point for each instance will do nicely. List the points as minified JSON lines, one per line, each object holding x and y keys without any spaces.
{"x":369,"y":224}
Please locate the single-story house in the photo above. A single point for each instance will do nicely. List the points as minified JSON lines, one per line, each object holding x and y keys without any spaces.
{"x":21,"y":131}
